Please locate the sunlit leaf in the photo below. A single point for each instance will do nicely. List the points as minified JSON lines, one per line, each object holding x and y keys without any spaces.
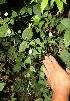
{"x":32,"y":1}
{"x":36,"y":18}
{"x":64,"y":1}
{"x":59,"y":5}
{"x":43,"y":5}
{"x":52,"y":1}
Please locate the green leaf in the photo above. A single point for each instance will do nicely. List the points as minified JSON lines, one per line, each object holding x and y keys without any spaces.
{"x":52,"y":1}
{"x":61,"y":44}
{"x":35,"y":53}
{"x":2,"y":1}
{"x":42,"y":44}
{"x":65,"y":56}
{"x":67,"y":38}
{"x":43,"y":5}
{"x":12,"y":21}
{"x":36,"y":9}
{"x":32,"y":69}
{"x":38,"y":41}
{"x":27,"y":34}
{"x":1,"y":21}
{"x":39,"y":50}
{"x":23,"y":10}
{"x":6,"y":20}
{"x":17,"y":68}
{"x":32,"y":1}
{"x":29,"y":10}
{"x":19,"y":59}
{"x":28,"y":74}
{"x":2,"y":86}
{"x":64,"y":1}
{"x":41,"y":82}
{"x":14,"y":14}
{"x":60,"y":27}
{"x":5,"y":43}
{"x":13,"y":99}
{"x":42,"y":35}
{"x":28,"y":60}
{"x":53,"y":20}
{"x":19,"y":31}
{"x":59,"y":5}
{"x":48,"y":7}
{"x":23,"y":46}
{"x":41,"y":23}
{"x":3,"y":30}
{"x":36,"y":19}
{"x":39,"y":99}
{"x":66,"y":22}
{"x":32,"y":43}
{"x":42,"y":75}
{"x":41,"y":69}
{"x":42,"y":88}
{"x":48,"y":98}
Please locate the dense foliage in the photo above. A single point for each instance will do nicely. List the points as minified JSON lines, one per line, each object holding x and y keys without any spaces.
{"x":29,"y":30}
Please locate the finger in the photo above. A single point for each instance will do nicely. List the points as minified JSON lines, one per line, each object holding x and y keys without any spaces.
{"x":47,"y":74}
{"x":49,"y":63}
{"x":55,"y":63}
{"x":45,"y":71}
{"x":45,"y":63}
{"x":46,"y":57}
{"x":68,"y":70}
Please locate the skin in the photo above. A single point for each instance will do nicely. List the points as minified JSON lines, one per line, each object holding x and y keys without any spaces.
{"x":58,"y":78}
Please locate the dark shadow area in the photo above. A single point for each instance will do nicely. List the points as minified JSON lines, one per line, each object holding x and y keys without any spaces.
{"x":62,"y":64}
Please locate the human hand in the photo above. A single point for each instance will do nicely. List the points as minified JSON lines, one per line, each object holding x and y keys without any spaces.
{"x":58,"y":78}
